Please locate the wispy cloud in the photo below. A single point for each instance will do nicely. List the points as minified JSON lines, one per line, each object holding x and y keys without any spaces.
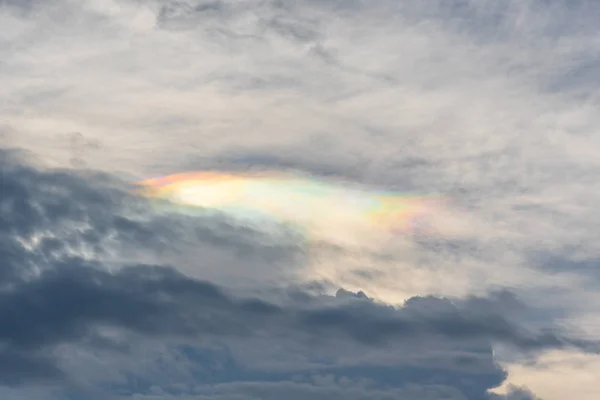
{"x":493,"y":104}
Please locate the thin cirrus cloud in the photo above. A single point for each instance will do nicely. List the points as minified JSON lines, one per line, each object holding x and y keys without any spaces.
{"x":492,"y":105}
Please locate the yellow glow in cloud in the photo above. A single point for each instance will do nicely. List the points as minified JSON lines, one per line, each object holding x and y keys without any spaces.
{"x":558,"y":375}
{"x":333,"y":211}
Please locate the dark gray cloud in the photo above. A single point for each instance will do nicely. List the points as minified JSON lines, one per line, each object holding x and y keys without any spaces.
{"x":54,"y":294}
{"x":49,"y":214}
{"x":25,"y":4}
{"x":66,"y":303}
{"x":569,"y":259}
{"x":491,"y":102}
{"x":21,"y":367}
{"x":328,"y":387}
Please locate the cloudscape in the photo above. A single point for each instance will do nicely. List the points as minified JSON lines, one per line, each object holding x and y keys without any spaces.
{"x":268,"y":199}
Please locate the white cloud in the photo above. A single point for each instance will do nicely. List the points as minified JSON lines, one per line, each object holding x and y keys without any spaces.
{"x":497,"y":100}
{"x":558,"y":375}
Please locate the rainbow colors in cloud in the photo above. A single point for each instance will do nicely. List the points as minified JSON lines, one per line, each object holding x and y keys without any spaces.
{"x":321,"y":209}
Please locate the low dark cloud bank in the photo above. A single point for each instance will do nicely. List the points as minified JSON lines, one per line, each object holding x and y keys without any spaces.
{"x":56,"y":289}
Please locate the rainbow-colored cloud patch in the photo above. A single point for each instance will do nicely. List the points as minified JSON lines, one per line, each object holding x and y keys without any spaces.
{"x":321,"y":209}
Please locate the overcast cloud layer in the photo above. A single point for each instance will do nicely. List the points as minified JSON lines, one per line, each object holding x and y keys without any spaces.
{"x":492,"y":104}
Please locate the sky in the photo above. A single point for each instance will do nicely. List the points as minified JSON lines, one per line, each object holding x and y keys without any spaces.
{"x":490,"y":106}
